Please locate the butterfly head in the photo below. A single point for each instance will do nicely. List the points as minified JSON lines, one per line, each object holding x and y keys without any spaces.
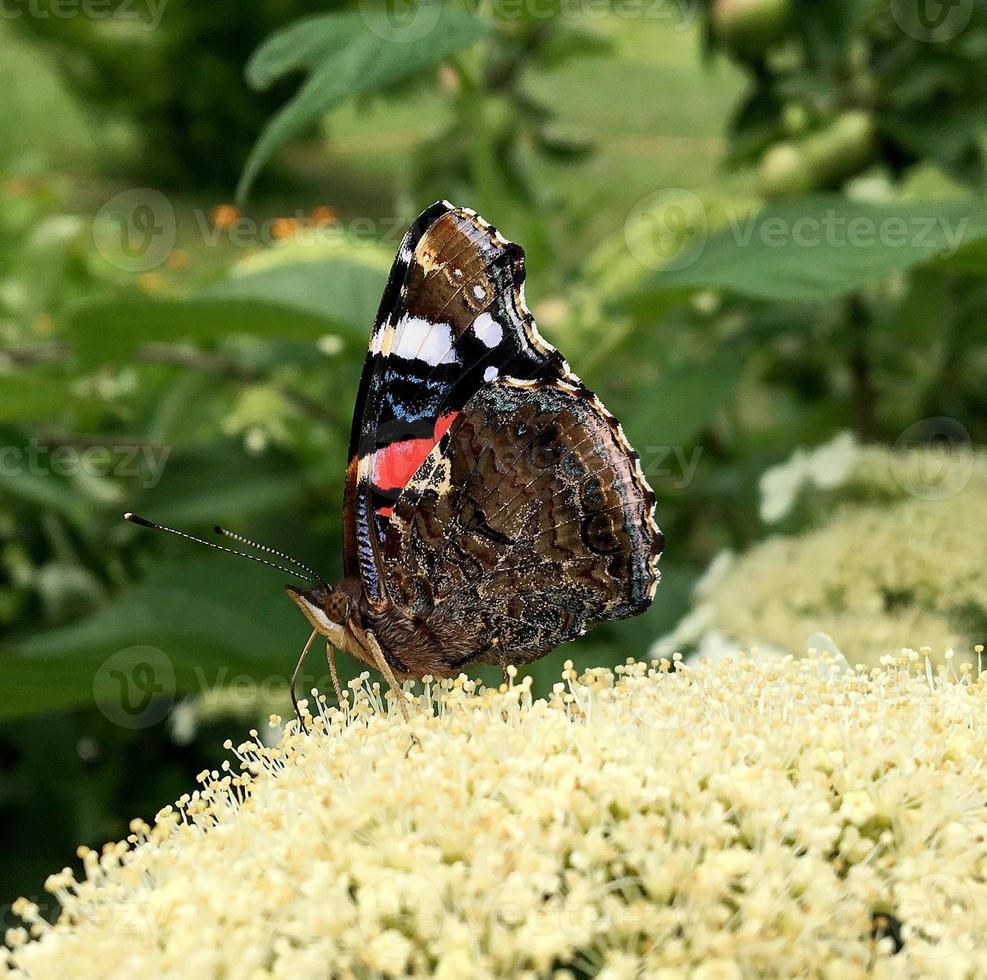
{"x":328,"y":609}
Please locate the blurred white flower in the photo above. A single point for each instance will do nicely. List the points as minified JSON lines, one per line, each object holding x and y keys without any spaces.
{"x":330,"y":344}
{"x":825,"y":467}
{"x":56,"y":230}
{"x":878,"y":566}
{"x":184,"y":722}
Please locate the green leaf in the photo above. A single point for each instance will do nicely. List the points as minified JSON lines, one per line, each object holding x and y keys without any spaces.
{"x":41,"y":489}
{"x":345,"y":55}
{"x":30,"y":396}
{"x":206,"y":627}
{"x":300,"y":301}
{"x":342,"y":291}
{"x":221,"y":483}
{"x":673,"y":412}
{"x":26,"y":474}
{"x":820,"y":248}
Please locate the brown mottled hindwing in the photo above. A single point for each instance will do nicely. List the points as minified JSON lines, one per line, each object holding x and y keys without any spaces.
{"x":528,"y":521}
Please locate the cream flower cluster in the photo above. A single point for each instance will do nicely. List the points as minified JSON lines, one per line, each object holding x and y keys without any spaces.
{"x":895,"y":557}
{"x":789,"y":818}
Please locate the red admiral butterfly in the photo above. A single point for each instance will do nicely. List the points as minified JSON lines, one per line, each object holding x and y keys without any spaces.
{"x":493,"y":507}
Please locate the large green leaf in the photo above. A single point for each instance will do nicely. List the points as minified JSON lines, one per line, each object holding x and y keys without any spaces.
{"x":219,"y":483}
{"x":346,"y":55}
{"x":672,"y":413}
{"x":207,"y":624}
{"x":340,"y":290}
{"x":299,"y":301}
{"x":820,"y":248}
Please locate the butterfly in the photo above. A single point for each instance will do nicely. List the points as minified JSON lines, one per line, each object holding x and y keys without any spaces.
{"x":493,"y":507}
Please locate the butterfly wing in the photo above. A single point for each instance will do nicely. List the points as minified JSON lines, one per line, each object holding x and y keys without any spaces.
{"x":452,"y":319}
{"x":529,"y":520}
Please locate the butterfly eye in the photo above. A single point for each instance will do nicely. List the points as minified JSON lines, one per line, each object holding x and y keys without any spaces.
{"x":337,"y":607}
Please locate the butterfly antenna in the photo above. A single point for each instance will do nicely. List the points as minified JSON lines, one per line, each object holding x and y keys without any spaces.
{"x":143,"y":522}
{"x":227,"y":533}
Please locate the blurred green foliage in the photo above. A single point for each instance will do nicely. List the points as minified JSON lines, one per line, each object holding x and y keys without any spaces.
{"x":173,"y":73}
{"x":167,"y":354}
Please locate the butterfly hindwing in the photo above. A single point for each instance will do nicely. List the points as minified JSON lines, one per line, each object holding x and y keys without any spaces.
{"x":528,"y":521}
{"x":451,"y":321}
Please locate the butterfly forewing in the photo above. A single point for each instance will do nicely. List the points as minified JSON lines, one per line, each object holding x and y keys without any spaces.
{"x":452,"y":321}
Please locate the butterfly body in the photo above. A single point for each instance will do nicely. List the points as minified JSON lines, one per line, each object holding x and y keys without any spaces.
{"x":493,"y":507}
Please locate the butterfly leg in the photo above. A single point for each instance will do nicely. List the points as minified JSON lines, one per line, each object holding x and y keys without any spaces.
{"x":385,"y":668}
{"x":294,"y":680}
{"x":331,"y":660}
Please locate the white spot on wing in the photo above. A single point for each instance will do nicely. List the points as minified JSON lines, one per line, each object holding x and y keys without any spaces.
{"x":377,"y":340}
{"x":490,"y":373}
{"x":487,"y":330}
{"x":426,"y":341}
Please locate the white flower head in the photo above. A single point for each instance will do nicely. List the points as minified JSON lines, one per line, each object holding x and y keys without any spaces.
{"x":825,"y":468}
{"x":746,"y":818}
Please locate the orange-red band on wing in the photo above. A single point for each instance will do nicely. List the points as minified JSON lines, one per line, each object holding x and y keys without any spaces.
{"x":395,"y":465}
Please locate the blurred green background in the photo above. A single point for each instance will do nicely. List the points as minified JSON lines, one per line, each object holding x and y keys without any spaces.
{"x":750,"y":225}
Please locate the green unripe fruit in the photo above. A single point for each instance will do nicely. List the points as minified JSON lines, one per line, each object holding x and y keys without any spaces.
{"x":748,"y":27}
{"x":784,"y":171}
{"x":842,"y":149}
